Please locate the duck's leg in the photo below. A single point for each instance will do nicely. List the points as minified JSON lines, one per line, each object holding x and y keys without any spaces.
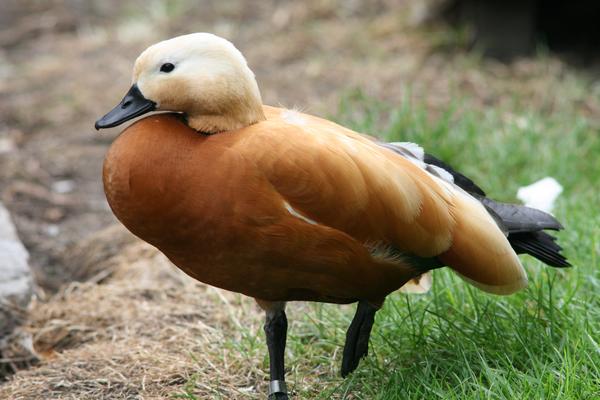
{"x":276,"y":333}
{"x":357,"y":337}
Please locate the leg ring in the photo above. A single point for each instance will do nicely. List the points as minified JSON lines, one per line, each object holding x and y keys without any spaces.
{"x":276,"y":387}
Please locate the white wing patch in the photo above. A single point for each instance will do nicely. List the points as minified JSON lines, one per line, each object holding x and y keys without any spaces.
{"x":412,"y":152}
{"x":415,"y":154}
{"x":414,"y":149}
{"x":296,"y":214}
{"x":440,"y":173}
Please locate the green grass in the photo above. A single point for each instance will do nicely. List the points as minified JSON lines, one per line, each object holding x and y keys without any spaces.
{"x":457,"y":342}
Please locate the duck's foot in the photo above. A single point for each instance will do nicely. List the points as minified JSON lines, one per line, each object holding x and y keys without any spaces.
{"x":357,"y":337}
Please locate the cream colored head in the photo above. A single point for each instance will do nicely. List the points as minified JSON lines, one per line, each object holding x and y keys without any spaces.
{"x":210,"y":82}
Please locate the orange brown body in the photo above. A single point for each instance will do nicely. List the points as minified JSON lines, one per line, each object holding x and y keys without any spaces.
{"x":213,"y":207}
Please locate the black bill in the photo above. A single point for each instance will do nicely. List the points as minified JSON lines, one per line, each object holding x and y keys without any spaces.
{"x":133,"y":105}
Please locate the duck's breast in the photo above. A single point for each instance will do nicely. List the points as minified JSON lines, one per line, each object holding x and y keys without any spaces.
{"x":172,"y":186}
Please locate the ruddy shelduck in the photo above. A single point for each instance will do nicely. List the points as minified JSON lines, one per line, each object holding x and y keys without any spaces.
{"x":282,"y":206}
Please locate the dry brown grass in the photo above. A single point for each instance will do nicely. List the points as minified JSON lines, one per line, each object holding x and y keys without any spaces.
{"x":139,"y":333}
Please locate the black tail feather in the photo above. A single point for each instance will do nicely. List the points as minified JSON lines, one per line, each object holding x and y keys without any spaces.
{"x":517,"y":218}
{"x":524,"y":227}
{"x":540,"y":245}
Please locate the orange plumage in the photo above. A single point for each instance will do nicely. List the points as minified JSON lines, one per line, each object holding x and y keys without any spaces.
{"x":219,"y":207}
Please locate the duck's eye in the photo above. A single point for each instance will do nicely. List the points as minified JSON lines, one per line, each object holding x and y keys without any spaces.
{"x":167,"y":67}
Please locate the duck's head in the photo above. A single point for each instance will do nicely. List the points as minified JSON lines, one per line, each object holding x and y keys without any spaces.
{"x":201,"y":75}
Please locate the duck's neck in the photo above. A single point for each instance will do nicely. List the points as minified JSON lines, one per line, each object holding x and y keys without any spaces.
{"x":236,"y":113}
{"x":224,"y":123}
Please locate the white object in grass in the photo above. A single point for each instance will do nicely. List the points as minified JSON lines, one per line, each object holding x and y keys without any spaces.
{"x":418,"y":285}
{"x":541,"y":194}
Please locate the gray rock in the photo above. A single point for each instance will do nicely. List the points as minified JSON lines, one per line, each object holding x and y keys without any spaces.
{"x":16,"y":281}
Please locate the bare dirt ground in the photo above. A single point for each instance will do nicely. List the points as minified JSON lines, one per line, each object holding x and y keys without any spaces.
{"x":112,"y":318}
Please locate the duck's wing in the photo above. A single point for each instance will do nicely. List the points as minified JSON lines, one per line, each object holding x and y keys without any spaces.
{"x":333,"y":176}
{"x":523,"y":225}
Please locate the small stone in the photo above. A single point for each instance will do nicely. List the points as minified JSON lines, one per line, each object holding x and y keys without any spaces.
{"x":64,"y":186}
{"x":52,"y":230}
{"x":7,"y":145}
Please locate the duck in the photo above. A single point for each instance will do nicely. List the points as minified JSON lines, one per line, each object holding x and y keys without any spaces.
{"x":284,"y":206}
